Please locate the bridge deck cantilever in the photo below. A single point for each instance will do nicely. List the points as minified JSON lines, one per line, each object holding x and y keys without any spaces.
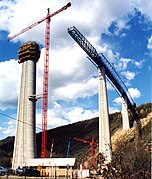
{"x":101,"y":61}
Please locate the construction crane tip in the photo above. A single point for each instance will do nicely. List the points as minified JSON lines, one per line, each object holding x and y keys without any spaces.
{"x":68,"y":4}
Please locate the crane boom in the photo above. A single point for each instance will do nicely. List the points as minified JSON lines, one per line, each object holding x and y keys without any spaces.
{"x":92,"y":147}
{"x":38,"y":22}
{"x":81,"y":140}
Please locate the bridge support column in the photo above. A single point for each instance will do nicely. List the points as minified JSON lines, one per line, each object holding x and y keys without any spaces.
{"x":104,"y":130}
{"x":25,"y":138}
{"x":125,"y":115}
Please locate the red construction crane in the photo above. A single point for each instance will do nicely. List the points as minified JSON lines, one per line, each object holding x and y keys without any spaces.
{"x":92,"y":147}
{"x":46,"y":70}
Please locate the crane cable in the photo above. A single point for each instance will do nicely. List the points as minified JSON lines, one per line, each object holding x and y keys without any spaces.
{"x":5,"y":115}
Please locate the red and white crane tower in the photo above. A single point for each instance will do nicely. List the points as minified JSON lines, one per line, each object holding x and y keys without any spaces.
{"x":92,"y":147}
{"x":46,"y":71}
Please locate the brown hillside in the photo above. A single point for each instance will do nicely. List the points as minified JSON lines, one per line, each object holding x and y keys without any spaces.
{"x":85,"y":130}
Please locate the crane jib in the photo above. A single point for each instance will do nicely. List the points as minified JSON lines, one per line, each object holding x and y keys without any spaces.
{"x":38,"y":22}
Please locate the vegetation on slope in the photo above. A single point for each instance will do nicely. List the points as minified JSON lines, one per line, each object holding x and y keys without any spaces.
{"x":6,"y":151}
{"x":129,"y":161}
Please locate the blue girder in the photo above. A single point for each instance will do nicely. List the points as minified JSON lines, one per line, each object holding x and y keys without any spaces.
{"x":101,"y":61}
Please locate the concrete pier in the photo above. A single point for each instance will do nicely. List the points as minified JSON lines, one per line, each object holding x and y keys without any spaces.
{"x":104,"y":129}
{"x":25,"y":138}
{"x":125,"y":115}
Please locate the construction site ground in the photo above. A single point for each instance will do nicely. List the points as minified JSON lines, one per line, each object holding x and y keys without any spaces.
{"x":24,"y":177}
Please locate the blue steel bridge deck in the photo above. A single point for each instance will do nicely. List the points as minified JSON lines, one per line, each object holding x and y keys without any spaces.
{"x":101,"y":61}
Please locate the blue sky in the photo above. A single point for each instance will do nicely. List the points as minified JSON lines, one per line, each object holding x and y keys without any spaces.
{"x":121,"y":30}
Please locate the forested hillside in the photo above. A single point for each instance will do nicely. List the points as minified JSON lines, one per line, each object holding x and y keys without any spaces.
{"x":122,"y":141}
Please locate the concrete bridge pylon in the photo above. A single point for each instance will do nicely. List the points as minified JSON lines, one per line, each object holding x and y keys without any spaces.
{"x":125,"y":115}
{"x":104,"y":129}
{"x":25,"y":138}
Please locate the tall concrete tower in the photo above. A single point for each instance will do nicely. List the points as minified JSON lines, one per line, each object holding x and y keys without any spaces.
{"x":125,"y":114}
{"x":25,"y":138}
{"x":104,"y":128}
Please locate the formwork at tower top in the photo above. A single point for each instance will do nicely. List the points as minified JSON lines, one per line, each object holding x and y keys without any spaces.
{"x":29,"y":50}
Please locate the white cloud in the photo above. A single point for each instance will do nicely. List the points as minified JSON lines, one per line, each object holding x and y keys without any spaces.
{"x":134,"y":92}
{"x":9,"y":86}
{"x":58,"y":116}
{"x":144,"y":6}
{"x":13,"y":13}
{"x":80,"y":12}
{"x":138,"y":64}
{"x":129,"y":75}
{"x":74,"y":91}
{"x":117,"y":101}
{"x":149,"y":68}
{"x":10,"y":129}
{"x":1,"y":128}
{"x":121,"y":24}
{"x":113,"y":110}
{"x":108,"y":53}
{"x":71,"y":74}
{"x":68,"y":70}
{"x":122,"y":64}
{"x":77,"y":14}
{"x":149,"y":46}
{"x":79,"y":114}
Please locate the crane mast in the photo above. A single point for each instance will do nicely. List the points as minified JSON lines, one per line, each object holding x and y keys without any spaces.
{"x":45,"y":87}
{"x":45,"y":80}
